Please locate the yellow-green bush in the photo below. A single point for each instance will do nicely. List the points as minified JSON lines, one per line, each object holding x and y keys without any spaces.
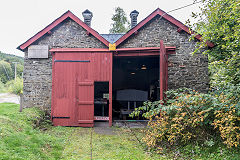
{"x":15,"y":86}
{"x":2,"y":87}
{"x":227,"y":122}
{"x":189,"y":116}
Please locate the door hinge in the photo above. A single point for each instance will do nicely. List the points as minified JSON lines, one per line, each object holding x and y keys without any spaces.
{"x":61,"y":117}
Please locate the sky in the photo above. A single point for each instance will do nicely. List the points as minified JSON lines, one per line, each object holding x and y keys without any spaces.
{"x":21,"y":19}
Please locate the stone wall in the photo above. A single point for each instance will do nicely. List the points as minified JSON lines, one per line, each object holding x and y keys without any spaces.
{"x":185,"y":69}
{"x":37,"y":76}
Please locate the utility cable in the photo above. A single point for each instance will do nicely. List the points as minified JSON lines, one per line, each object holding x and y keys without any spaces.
{"x":182,"y":7}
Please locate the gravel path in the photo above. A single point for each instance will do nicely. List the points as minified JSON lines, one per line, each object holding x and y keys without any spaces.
{"x":7,"y":97}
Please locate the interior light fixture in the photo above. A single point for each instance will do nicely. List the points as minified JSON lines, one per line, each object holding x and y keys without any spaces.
{"x":133,"y":73}
{"x":143,"y":67}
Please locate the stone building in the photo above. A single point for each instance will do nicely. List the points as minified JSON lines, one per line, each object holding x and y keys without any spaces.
{"x":83,"y":76}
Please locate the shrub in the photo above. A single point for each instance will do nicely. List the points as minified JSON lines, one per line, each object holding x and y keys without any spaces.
{"x":15,"y":86}
{"x":189,"y":116}
{"x":6,"y":72}
{"x":2,"y":87}
{"x":227,"y":122}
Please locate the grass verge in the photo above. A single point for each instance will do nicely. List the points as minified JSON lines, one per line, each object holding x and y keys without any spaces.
{"x":18,"y":139}
{"x":21,"y":140}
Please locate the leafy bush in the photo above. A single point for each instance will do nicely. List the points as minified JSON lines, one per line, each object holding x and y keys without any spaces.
{"x":2,"y":87}
{"x":218,"y":22}
{"x":15,"y":86}
{"x":189,"y":116}
{"x":6,"y":72}
{"x":43,"y":120}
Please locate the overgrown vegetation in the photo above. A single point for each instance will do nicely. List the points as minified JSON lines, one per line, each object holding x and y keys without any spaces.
{"x":198,"y":124}
{"x":219,"y":23}
{"x":195,"y":119}
{"x":15,"y":86}
{"x":2,"y":87}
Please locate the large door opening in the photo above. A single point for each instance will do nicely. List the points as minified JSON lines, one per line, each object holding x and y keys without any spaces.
{"x":101,"y":101}
{"x":80,"y":80}
{"x":135,"y":80}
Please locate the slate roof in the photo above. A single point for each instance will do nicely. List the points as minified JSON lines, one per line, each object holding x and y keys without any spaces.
{"x":112,"y":38}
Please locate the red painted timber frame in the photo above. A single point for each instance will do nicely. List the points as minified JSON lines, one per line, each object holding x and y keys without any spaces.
{"x":147,"y":51}
{"x":163,"y":67}
{"x":72,"y":50}
{"x":169,"y":49}
{"x":162,"y":51}
{"x":79,"y":50}
{"x":48,"y":29}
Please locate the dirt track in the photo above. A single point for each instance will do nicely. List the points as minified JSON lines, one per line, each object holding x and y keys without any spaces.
{"x":7,"y":97}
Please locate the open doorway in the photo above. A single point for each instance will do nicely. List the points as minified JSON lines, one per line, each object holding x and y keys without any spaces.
{"x":101,"y":101}
{"x":135,"y":80}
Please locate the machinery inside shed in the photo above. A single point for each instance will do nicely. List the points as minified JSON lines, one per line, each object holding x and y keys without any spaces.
{"x":135,"y":80}
{"x":101,"y":99}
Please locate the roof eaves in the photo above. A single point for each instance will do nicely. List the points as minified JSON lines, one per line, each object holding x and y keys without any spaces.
{"x":56,"y":22}
{"x":164,"y":15}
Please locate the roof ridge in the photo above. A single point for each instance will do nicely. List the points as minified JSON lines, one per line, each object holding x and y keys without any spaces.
{"x":56,"y":22}
{"x":167,"y":17}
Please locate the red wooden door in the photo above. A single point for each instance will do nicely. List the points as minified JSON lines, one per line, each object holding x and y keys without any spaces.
{"x":85,"y":104}
{"x":74,"y":74}
{"x":63,"y":94}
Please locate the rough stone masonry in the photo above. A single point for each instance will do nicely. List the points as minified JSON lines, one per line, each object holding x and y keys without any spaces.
{"x":37,"y":75}
{"x":185,"y":69}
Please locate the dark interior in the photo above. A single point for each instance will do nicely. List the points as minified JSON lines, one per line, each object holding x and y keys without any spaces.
{"x":101,"y":99}
{"x":135,"y":80}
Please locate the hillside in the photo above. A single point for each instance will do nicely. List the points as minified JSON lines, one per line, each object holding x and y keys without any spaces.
{"x":11,"y":58}
{"x":7,"y":66}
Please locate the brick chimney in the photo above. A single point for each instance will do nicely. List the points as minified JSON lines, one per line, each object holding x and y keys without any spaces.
{"x":133,"y":16}
{"x":87,"y":15}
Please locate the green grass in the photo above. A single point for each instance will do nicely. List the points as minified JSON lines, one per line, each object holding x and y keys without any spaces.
{"x":202,"y":152}
{"x":216,"y":152}
{"x":120,"y":146}
{"x":18,"y":140}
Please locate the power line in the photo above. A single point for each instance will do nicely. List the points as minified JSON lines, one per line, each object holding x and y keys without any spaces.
{"x":180,"y":8}
{"x":184,"y":6}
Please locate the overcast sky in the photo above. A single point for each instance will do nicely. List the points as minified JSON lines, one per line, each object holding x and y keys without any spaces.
{"x":21,"y":19}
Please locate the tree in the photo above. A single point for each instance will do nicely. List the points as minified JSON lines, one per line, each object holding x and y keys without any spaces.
{"x":120,"y":22}
{"x":219,"y":22}
{"x":6,"y":72}
{"x":9,"y":58}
